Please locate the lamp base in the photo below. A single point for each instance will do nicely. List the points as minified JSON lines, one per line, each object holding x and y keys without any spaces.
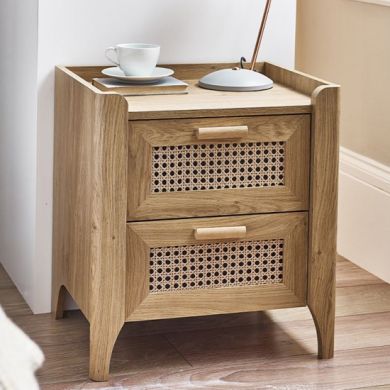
{"x":236,"y":80}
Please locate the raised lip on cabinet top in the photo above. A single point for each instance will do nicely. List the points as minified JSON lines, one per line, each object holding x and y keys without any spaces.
{"x":292,"y":94}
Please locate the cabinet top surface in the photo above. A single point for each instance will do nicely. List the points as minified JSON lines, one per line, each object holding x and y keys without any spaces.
{"x":292,"y":93}
{"x":202,"y":102}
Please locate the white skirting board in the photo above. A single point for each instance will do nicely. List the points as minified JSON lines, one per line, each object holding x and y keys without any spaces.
{"x":364,"y":213}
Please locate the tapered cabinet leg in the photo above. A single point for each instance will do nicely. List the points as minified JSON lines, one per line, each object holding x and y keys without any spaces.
{"x":325,"y":327}
{"x":102,"y":340}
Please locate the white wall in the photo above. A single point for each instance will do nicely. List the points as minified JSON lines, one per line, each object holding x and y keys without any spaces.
{"x":18,"y":111}
{"x":333,"y":38}
{"x":75,"y":32}
{"x":364,"y":223}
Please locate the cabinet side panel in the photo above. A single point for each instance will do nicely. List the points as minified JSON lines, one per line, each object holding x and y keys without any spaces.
{"x":323,"y":216}
{"x":73,"y":184}
{"x":108,"y":264}
{"x":89,"y":153}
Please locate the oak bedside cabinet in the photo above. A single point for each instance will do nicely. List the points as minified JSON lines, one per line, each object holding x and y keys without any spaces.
{"x":193,"y":205}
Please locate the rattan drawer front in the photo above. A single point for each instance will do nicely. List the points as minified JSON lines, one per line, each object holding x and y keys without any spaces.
{"x":216,"y":166}
{"x":222,"y":166}
{"x":216,"y":265}
{"x":183,"y":271}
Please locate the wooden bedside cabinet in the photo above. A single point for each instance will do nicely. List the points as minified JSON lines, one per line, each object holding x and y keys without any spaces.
{"x":192,"y":205}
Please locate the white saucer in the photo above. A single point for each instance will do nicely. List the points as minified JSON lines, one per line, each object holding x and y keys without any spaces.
{"x":158,"y":74}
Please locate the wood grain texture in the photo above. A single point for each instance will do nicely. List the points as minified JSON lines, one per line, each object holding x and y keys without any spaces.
{"x":292,"y":228}
{"x":5,"y":280}
{"x":104,"y":264}
{"x":89,"y":231}
{"x":291,"y":94}
{"x":291,"y":372}
{"x":195,"y":71}
{"x":323,"y":215}
{"x":224,"y":133}
{"x":232,"y":351}
{"x":355,"y":276}
{"x":182,"y":71}
{"x":12,"y":301}
{"x":297,"y":81}
{"x":294,"y":130}
{"x":202,"y":103}
{"x":218,"y":233}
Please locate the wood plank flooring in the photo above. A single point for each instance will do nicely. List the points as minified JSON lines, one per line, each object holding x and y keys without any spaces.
{"x":267,"y":350}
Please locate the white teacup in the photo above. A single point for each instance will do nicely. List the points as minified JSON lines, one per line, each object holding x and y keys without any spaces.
{"x":135,"y":59}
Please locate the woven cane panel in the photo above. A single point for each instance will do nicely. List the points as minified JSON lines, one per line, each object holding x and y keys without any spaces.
{"x":217,"y":265}
{"x":218,"y":166}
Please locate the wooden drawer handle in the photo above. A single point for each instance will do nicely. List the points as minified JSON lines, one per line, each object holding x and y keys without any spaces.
{"x":220,"y":233}
{"x":227,"y":132}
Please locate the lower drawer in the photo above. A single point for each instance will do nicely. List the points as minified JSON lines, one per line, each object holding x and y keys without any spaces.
{"x":205,"y":266}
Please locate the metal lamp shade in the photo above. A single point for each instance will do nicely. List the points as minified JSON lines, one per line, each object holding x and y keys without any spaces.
{"x":236,"y":80}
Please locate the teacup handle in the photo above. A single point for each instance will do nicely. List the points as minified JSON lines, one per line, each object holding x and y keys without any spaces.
{"x":110,"y":49}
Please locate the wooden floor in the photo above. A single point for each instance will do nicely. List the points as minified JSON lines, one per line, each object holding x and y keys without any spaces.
{"x":269,"y":350}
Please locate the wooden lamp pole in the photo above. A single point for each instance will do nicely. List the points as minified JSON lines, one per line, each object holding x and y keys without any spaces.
{"x":261,"y":33}
{"x":240,"y":79}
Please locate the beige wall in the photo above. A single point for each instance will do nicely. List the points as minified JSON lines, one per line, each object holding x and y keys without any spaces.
{"x":348,"y":42}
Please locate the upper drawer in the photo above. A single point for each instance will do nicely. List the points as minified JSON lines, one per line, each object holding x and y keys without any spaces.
{"x":206,"y":167}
